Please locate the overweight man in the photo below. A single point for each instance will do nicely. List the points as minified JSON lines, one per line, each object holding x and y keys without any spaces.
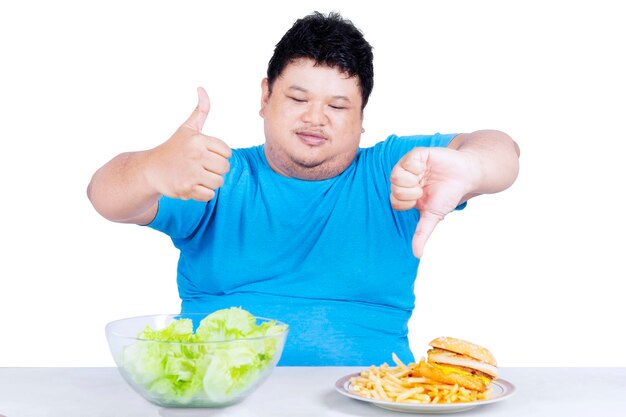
{"x":307,"y":228}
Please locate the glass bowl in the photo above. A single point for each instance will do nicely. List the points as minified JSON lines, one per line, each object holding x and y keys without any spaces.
{"x":214,"y":373}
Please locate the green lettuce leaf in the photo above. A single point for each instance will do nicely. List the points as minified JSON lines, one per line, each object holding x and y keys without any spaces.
{"x":213,"y":373}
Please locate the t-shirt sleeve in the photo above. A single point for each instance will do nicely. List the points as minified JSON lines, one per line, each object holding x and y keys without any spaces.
{"x":395,"y":147}
{"x":179,"y":218}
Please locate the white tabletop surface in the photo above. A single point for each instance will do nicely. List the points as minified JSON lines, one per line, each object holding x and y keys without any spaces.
{"x":301,"y":391}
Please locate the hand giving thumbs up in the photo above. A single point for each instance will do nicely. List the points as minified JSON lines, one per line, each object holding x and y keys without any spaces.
{"x":190,"y":164}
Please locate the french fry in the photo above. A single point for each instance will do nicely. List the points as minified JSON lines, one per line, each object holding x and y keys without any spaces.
{"x":397,"y":361}
{"x":404,"y":384}
{"x":409,"y":393}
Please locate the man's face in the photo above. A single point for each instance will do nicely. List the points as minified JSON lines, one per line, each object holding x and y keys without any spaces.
{"x":313,"y":121}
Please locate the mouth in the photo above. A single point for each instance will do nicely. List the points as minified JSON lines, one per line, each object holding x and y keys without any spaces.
{"x":311,"y":138}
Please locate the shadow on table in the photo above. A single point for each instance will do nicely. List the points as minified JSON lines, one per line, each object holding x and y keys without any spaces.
{"x":193,"y":412}
{"x":351,"y":407}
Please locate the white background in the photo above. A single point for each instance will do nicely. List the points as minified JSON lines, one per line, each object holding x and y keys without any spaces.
{"x":534,"y":273}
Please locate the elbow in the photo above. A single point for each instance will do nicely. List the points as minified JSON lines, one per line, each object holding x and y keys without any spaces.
{"x":512,"y":142}
{"x":515,"y":145}
{"x":96,"y":201}
{"x":506,"y":138}
{"x":90,"y":191}
{"x":514,"y":160}
{"x":507,"y":152}
{"x":513,"y":156}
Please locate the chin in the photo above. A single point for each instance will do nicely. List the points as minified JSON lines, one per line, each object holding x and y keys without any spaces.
{"x":307,"y":162}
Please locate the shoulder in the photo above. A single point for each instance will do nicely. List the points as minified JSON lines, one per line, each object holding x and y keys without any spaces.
{"x":394,"y":147}
{"x":411,"y":141}
{"x":248,"y":156}
{"x":244,"y":160}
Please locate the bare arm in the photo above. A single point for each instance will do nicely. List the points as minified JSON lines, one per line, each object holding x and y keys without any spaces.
{"x":496,"y":156}
{"x":189,"y":165}
{"x":120,"y":191}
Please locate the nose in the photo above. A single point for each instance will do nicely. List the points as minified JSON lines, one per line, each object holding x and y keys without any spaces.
{"x":314,"y":114}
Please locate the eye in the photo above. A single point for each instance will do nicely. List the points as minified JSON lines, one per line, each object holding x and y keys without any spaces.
{"x":297,"y":100}
{"x":338,"y":107}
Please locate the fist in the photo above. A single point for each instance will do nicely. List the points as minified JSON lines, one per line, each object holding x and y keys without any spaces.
{"x":432,"y":180}
{"x":407,"y":181}
{"x":190,"y":165}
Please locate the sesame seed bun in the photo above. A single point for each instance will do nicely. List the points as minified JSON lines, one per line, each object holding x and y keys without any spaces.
{"x":463,"y":347}
{"x":456,"y":361}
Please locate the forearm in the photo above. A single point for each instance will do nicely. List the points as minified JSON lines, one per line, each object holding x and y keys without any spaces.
{"x":495,"y":156}
{"x":120,"y":192}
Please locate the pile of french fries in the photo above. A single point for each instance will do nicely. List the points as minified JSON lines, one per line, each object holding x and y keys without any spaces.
{"x":404,"y":384}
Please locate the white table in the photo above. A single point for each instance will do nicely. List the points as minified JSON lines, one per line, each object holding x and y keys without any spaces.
{"x":301,"y":391}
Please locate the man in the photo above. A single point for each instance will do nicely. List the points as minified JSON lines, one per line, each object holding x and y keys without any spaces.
{"x":308,"y":228}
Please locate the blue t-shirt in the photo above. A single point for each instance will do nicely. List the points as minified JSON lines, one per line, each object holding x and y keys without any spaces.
{"x":331,"y":258}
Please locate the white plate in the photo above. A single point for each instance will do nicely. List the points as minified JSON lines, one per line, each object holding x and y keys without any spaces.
{"x":500,"y":390}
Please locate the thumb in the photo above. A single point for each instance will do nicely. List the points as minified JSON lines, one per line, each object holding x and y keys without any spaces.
{"x":200,"y":113}
{"x":424,"y":229}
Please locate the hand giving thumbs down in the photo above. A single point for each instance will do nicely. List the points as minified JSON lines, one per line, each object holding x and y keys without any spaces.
{"x":434,"y":181}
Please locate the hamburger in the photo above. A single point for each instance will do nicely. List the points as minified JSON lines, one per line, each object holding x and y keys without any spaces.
{"x":454,"y":361}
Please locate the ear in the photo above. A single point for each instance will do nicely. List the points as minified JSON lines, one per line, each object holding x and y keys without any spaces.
{"x":265,"y":96}
{"x":362,"y":117}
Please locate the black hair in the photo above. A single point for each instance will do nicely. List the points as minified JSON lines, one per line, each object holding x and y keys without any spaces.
{"x":328,"y":40}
